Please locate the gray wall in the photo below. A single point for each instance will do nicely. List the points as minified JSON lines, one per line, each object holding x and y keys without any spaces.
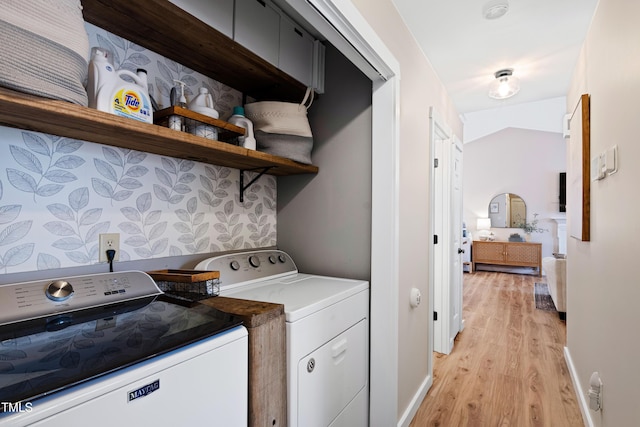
{"x":324,"y":221}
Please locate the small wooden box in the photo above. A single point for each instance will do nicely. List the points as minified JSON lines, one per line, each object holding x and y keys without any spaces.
{"x":190,"y":284}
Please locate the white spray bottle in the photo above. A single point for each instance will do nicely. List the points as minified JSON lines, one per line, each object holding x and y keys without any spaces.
{"x":107,"y":91}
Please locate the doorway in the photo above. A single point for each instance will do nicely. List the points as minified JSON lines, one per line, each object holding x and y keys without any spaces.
{"x":446,"y":202}
{"x":342,"y":25}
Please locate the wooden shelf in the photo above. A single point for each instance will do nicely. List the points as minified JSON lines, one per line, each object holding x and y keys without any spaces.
{"x":74,"y":121}
{"x":164,"y":28}
{"x":186,"y":113}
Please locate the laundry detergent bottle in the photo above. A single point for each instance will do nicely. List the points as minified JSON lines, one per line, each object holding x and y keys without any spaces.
{"x":238,"y":118}
{"x":108,"y":91}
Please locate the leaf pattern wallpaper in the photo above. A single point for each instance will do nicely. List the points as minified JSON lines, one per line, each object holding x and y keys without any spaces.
{"x":58,"y":194}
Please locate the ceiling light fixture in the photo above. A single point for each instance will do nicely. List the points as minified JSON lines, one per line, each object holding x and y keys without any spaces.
{"x":505,"y":85}
{"x":495,"y":9}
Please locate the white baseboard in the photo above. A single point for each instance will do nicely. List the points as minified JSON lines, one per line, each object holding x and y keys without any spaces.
{"x":582,"y":402}
{"x":413,"y":407}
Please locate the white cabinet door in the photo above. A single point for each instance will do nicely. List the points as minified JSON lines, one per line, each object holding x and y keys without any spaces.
{"x":257,"y":27}
{"x":215,"y":13}
{"x":296,"y":51}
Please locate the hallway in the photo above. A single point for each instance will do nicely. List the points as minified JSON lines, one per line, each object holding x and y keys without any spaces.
{"x":507,"y":367}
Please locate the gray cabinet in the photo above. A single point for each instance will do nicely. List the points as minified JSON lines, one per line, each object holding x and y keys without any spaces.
{"x":257,"y":27}
{"x":264,"y":29}
{"x":217,"y":14}
{"x":296,"y":51}
{"x":267,"y":31}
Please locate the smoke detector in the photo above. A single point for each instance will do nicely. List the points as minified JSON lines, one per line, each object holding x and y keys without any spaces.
{"x":495,"y":9}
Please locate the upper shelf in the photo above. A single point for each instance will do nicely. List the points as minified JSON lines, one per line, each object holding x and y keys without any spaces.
{"x":74,"y":121}
{"x":166,"y":29}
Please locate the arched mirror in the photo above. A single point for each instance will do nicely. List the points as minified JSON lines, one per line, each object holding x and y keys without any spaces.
{"x":507,"y":210}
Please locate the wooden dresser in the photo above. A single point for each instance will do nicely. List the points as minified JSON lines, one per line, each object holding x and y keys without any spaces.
{"x":516,"y":254}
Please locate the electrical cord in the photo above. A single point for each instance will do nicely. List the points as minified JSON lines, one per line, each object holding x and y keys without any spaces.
{"x":111,"y":254}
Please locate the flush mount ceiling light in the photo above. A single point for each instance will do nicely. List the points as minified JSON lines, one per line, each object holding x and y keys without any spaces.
{"x":495,"y":9}
{"x":505,"y":85}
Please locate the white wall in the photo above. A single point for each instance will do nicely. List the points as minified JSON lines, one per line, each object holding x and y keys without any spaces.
{"x":420,"y":88}
{"x":545,"y":115}
{"x":602,"y":282}
{"x":521,"y":161}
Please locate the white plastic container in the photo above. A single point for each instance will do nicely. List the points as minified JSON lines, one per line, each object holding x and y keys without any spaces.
{"x":108,"y":91}
{"x":203,"y":104}
{"x":238,"y":119}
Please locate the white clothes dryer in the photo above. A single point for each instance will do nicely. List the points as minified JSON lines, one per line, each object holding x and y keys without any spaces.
{"x":327,"y":328}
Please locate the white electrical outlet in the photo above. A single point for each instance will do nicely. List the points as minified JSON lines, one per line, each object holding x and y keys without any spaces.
{"x":108,"y":241}
{"x":595,"y":392}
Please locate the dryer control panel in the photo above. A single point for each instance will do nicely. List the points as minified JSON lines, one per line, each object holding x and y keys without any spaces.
{"x":242,"y":268}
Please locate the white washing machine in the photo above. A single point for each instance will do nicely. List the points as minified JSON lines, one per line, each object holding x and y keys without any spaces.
{"x":111,"y":349}
{"x":327,"y":327}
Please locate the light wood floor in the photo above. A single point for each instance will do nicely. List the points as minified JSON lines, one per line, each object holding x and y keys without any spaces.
{"x":507,"y":367}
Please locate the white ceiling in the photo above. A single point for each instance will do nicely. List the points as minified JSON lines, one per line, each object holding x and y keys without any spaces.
{"x":539,"y":39}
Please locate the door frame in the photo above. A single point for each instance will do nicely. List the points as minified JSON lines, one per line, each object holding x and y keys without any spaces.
{"x":341,"y":23}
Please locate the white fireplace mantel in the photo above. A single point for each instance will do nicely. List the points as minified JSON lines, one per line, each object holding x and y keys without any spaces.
{"x":561,"y":234}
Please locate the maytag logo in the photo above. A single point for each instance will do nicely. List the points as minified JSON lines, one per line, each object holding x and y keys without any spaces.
{"x":144,"y":390}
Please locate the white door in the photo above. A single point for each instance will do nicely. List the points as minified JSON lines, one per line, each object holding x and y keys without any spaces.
{"x":446,"y":210}
{"x":456,"y":251}
{"x":440,"y":266}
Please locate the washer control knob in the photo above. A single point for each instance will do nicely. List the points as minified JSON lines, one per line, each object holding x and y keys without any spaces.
{"x":254,"y":261}
{"x":235,"y":265}
{"x":272,"y":259}
{"x":60,"y":290}
{"x":282,"y":258}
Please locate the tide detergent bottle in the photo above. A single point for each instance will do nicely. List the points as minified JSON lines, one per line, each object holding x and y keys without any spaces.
{"x":108,"y":91}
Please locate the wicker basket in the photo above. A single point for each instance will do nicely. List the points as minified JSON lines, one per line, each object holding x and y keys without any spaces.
{"x":193,"y":285}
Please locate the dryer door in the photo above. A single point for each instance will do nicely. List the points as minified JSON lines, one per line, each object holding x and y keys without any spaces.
{"x":331,"y":377}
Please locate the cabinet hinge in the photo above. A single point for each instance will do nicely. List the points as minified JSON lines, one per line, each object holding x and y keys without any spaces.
{"x":435,"y":163}
{"x":435,"y":316}
{"x":435,"y":239}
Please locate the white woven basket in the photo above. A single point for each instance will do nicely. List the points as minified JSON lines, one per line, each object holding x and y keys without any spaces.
{"x":281,"y":117}
{"x":44,"y":48}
